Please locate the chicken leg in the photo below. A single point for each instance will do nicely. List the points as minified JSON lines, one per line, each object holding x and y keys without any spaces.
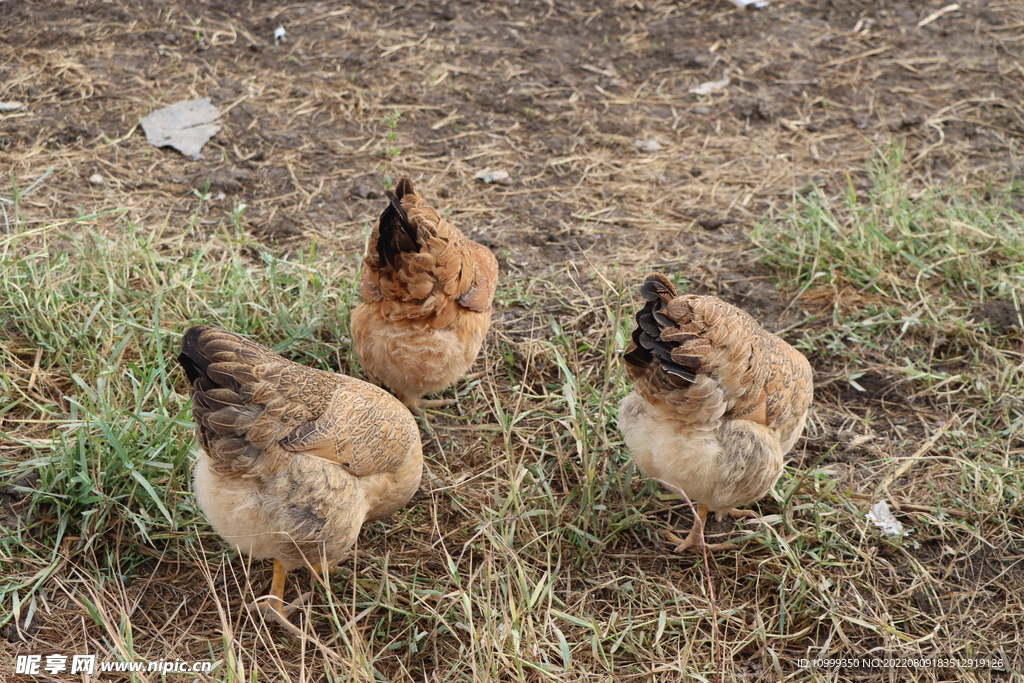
{"x":695,"y":539}
{"x":417,"y":405}
{"x":274,"y":606}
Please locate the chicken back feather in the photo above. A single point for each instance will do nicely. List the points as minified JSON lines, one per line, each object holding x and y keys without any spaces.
{"x":427,"y":293}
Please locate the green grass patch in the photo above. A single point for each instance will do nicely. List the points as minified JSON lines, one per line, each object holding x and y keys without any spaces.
{"x":907,"y":274}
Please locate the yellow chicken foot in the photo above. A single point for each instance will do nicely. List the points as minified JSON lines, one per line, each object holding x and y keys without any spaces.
{"x":735,"y":514}
{"x":416,"y":405}
{"x":274,"y":607}
{"x":695,"y":539}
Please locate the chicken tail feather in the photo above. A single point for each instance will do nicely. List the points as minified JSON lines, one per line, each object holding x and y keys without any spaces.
{"x":654,"y":338}
{"x":217,"y":365}
{"x":191,"y":358}
{"x":397,"y":234}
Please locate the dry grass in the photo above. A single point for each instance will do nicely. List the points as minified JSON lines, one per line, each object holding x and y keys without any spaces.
{"x":864,"y":165}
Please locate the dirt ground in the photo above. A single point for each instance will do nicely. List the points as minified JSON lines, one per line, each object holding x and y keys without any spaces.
{"x":556,"y":94}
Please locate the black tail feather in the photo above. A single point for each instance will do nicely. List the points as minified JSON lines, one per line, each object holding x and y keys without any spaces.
{"x":396,"y":235}
{"x":647,"y":336}
{"x":191,"y":358}
{"x":655,"y":286}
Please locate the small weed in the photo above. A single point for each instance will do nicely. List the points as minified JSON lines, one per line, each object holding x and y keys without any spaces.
{"x":391,"y":122}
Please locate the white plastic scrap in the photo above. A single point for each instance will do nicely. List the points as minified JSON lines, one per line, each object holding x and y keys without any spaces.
{"x":496,"y":177}
{"x":280,"y":35}
{"x":186,"y":126}
{"x":885,"y":520}
{"x":756,"y":4}
{"x":711,"y":86}
{"x":10,"y":106}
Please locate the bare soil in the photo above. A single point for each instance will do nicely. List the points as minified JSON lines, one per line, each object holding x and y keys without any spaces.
{"x":555,"y":94}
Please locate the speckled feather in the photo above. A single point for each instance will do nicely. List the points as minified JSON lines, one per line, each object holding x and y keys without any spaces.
{"x":707,"y":359}
{"x":419,"y":267}
{"x":294,"y":459}
{"x":427,"y":293}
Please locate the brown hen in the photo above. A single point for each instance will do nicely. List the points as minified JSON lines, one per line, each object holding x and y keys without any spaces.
{"x":427,"y":293}
{"x":293,"y":460}
{"x":717,"y":401}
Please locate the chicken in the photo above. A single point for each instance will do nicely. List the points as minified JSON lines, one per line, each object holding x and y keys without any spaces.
{"x":717,"y":401}
{"x":427,"y":293}
{"x":292,"y":460}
